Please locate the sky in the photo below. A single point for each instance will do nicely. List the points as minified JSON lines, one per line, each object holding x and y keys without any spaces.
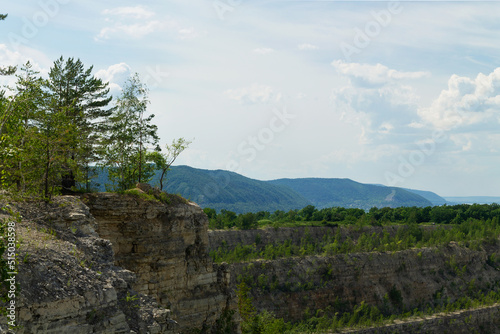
{"x":403,"y":93}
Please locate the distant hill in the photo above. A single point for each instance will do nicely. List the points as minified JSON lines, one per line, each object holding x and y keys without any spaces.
{"x":220,"y":189}
{"x":325,"y":193}
{"x":434,"y":198}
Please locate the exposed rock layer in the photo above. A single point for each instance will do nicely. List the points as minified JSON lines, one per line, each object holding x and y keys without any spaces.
{"x":166,"y":246}
{"x":67,"y":278}
{"x":482,"y":320}
{"x":411,"y":278}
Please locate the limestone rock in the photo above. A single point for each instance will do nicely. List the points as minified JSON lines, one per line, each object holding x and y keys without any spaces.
{"x":166,"y":246}
{"x":68,"y":280}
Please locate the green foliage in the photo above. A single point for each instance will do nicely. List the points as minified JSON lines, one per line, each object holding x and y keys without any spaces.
{"x":47,"y":128}
{"x":325,"y":193}
{"x":82,"y":98}
{"x":163,"y":161}
{"x":140,"y":194}
{"x":223,"y":190}
{"x":125,"y":151}
{"x":472,"y":233}
{"x":362,"y":315}
{"x":246,"y":221}
{"x":246,"y":309}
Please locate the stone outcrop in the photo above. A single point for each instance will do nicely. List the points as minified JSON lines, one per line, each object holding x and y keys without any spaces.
{"x":481,"y":320}
{"x":130,"y":263}
{"x":67,"y":278}
{"x":261,"y":237}
{"x":291,"y":288}
{"x":166,"y":246}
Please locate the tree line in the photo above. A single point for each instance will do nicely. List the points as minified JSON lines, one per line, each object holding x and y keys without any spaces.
{"x":55,"y":131}
{"x":472,"y":234}
{"x":445,"y":214}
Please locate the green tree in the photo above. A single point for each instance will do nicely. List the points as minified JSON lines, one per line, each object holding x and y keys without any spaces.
{"x":55,"y":130}
{"x":28,"y":103}
{"x":130,"y":131}
{"x":19,"y":165}
{"x":246,"y":221}
{"x":83,"y":98}
{"x":307,"y":212}
{"x":163,"y":161}
{"x":245,"y":306}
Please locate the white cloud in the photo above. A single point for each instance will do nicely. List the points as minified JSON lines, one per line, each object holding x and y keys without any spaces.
{"x":376,"y":101}
{"x":466,"y":102}
{"x":263,"y":51}
{"x":138,"y":22}
{"x":373,"y":75}
{"x":253,"y":94}
{"x":189,"y":33}
{"x":18,"y":58}
{"x":385,"y":128}
{"x":137,"y":12}
{"x":307,"y":46}
{"x":116,"y":75}
{"x":8,"y":57}
{"x":416,"y":125}
{"x":137,"y":30}
{"x":352,"y":156}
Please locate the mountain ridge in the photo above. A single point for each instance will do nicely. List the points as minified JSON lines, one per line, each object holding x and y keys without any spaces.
{"x":225,"y":190}
{"x":330,"y":192}
{"x":221,"y":189}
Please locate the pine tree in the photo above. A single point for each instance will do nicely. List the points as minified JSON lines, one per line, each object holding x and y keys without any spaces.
{"x":83,"y":98}
{"x":16,"y":129}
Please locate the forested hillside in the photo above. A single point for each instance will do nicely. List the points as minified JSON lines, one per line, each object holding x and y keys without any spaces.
{"x":325,"y":193}
{"x":220,"y":189}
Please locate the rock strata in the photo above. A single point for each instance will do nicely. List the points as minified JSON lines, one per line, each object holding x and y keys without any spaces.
{"x":166,"y":246}
{"x":409,"y":278}
{"x":68,"y":282}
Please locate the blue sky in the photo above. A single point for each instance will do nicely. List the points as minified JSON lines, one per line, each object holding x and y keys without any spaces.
{"x":395,"y":93}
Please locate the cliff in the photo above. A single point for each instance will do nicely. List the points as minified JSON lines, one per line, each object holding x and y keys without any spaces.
{"x":297,"y":288}
{"x":67,"y":279}
{"x":481,"y":320}
{"x":116,"y":263}
{"x":289,"y":286}
{"x":125,"y":263}
{"x":166,"y":246}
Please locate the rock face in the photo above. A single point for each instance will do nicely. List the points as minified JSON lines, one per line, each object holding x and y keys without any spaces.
{"x":482,"y":320}
{"x":293,"y":287}
{"x":166,"y":246}
{"x":68,"y":281}
{"x":289,"y":286}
